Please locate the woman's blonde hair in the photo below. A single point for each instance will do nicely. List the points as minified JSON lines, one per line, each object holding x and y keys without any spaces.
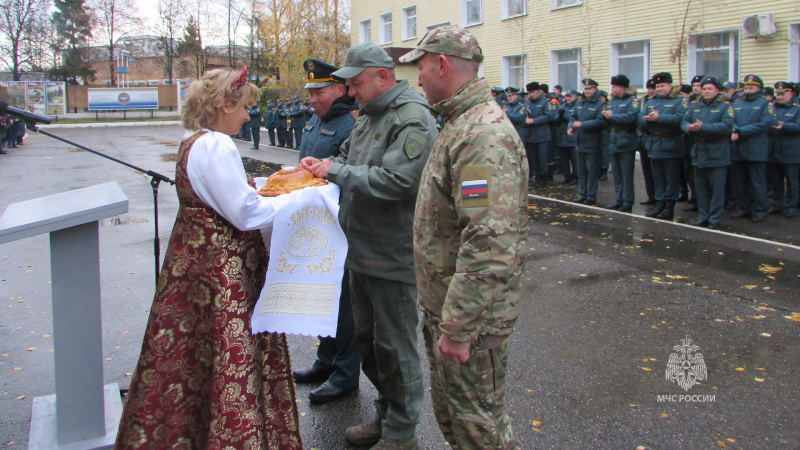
{"x":206,"y":96}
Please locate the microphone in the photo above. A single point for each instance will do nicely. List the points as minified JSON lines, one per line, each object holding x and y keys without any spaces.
{"x":26,"y":116}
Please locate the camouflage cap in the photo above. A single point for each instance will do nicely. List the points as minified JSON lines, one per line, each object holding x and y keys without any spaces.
{"x":362,"y":56}
{"x":449,"y":40}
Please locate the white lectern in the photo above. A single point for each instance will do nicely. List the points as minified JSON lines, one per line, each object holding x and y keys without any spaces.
{"x":83,"y":413}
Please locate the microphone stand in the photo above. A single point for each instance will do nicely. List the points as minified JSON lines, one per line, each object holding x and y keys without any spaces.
{"x":155,"y":179}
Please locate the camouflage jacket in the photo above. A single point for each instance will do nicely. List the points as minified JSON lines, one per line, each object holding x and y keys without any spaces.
{"x":471,"y":219}
{"x":378,"y":169}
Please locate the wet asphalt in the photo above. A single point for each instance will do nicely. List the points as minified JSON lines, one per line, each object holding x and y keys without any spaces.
{"x":607,"y":297}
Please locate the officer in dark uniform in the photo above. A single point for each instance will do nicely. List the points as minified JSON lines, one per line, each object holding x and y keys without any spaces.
{"x":537,"y":144}
{"x":269,"y":121}
{"x":647,"y":171}
{"x":661,"y":117}
{"x":586,"y":123}
{"x":298,"y":120}
{"x":709,"y":122}
{"x":753,"y":117}
{"x":516,"y":112}
{"x":785,"y":151}
{"x":283,"y":124}
{"x":565,"y":142}
{"x":697,"y":89}
{"x":255,"y":125}
{"x":620,"y":115}
{"x":500,"y":96}
{"x":605,"y":155}
{"x":338,"y":361}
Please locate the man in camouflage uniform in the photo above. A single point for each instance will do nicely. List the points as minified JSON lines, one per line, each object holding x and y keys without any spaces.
{"x":378,"y":169}
{"x":470,"y":236}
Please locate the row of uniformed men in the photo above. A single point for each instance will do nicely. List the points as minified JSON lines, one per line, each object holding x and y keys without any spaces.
{"x":286,"y":120}
{"x":724,"y":149}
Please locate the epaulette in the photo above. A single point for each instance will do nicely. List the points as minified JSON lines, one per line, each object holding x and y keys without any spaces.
{"x":412,"y":111}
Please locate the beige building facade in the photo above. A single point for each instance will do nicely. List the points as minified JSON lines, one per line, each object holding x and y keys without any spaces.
{"x":562,"y":41}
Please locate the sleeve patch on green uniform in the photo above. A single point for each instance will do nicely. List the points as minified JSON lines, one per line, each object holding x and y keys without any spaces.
{"x":476,"y":186}
{"x":730,"y":111}
{"x":635,"y":103}
{"x":414,"y":146}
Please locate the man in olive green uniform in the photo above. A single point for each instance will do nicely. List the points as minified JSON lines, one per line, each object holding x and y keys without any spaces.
{"x":470,"y":239}
{"x":378,"y":169}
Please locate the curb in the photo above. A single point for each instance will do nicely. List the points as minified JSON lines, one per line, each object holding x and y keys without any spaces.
{"x":110,"y":124}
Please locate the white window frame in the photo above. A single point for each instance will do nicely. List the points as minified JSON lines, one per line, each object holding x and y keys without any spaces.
{"x":481,"y":70}
{"x":554,"y":4}
{"x":365,"y":31}
{"x":383,"y":22}
{"x":554,"y":63}
{"x":464,"y":15}
{"x":406,"y":30}
{"x":794,"y":52}
{"x":734,"y":53}
{"x":615,"y":59}
{"x":505,"y":68}
{"x":504,"y":7}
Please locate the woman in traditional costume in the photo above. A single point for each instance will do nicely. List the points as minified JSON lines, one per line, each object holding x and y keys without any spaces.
{"x":203,"y":381}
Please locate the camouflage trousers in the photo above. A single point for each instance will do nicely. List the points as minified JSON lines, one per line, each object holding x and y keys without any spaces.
{"x":469,"y":398}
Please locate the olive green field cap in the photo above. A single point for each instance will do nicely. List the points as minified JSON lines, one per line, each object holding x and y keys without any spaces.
{"x":450,"y":40}
{"x":362,"y":56}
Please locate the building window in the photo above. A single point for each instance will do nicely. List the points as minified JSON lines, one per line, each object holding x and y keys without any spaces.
{"x":515,"y":71}
{"x":365,"y":31}
{"x":794,"y":52}
{"x":558,"y":4}
{"x":410,"y":23}
{"x":715,"y":54}
{"x":471,"y":12}
{"x":633,"y":60}
{"x":513,"y":8}
{"x":565,"y":68}
{"x":385,"y":32}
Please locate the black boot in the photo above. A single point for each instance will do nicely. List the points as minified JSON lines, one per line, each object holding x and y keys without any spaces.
{"x":668,"y":213}
{"x":656,"y":209}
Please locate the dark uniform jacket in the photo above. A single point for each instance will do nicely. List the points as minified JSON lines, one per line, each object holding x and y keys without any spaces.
{"x":283,"y":117}
{"x":663,"y":138}
{"x":298,"y":115}
{"x":322,"y":136}
{"x":786,"y":141}
{"x":378,"y":170}
{"x":753,"y":116}
{"x":589,"y":136}
{"x":270,"y":117}
{"x":255,"y":116}
{"x":562,"y":116}
{"x":517,"y":113}
{"x":710,"y":145}
{"x":543,"y":113}
{"x":622,"y":124}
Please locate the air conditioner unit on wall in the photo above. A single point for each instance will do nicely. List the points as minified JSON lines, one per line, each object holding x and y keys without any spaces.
{"x":759,"y":25}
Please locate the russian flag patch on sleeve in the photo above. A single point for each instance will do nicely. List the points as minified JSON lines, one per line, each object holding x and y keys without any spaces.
{"x":475,"y":189}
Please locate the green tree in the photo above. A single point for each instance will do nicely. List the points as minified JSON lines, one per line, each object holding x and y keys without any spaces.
{"x":73,"y":23}
{"x":192,"y":46}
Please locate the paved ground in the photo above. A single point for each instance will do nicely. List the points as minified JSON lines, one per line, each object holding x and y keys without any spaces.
{"x":608,"y":296}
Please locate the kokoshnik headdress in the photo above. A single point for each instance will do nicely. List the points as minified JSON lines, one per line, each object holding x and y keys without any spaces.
{"x":240,"y":80}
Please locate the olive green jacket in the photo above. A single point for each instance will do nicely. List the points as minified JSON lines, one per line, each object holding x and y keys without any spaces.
{"x":378,"y":169}
{"x":471,"y":222}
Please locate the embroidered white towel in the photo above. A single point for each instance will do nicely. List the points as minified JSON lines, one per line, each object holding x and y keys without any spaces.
{"x":307,"y":249}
